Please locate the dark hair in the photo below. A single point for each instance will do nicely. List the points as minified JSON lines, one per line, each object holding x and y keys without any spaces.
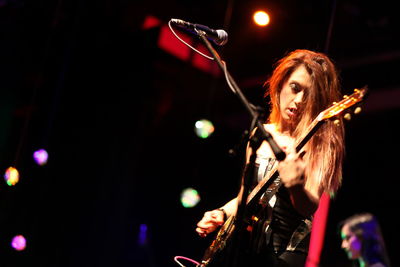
{"x":367,"y":229}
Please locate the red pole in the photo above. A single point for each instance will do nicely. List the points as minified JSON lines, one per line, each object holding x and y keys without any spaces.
{"x":318,"y":232}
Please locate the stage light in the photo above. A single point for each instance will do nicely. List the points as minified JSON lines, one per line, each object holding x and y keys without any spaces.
{"x":40,"y":156}
{"x":261,"y":18}
{"x":189,"y":197}
{"x":203,"y":128}
{"x":18,"y":242}
{"x":11,"y":176}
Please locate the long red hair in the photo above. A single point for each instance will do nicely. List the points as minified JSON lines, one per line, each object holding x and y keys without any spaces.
{"x":325,"y":150}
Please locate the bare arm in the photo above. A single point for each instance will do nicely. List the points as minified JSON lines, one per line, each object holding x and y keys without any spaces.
{"x":215,"y":218}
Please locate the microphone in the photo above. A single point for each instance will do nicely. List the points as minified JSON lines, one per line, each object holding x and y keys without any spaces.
{"x":219,"y":37}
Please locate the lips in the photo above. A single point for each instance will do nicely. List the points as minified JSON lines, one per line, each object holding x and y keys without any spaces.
{"x":292,"y":112}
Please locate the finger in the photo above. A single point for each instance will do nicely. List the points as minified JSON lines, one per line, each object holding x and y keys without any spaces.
{"x":201,"y":230}
{"x":203,"y":225}
{"x":201,"y":233}
{"x":206,"y":225}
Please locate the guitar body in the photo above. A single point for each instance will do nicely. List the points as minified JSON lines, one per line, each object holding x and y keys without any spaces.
{"x":220,"y":252}
{"x":228,"y":247}
{"x":213,"y":254}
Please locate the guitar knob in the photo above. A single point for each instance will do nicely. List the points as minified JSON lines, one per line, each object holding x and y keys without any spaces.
{"x":357,"y":110}
{"x":336,"y":122}
{"x":347,"y":116}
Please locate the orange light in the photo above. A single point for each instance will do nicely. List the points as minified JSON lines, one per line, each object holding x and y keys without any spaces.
{"x":261,"y":18}
{"x":11,"y":176}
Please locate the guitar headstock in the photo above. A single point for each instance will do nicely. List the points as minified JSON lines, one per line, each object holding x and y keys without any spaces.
{"x":346,"y":103}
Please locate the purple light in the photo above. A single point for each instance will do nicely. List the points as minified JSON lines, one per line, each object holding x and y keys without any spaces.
{"x":18,"y":242}
{"x":40,"y":157}
{"x":142,"y":235}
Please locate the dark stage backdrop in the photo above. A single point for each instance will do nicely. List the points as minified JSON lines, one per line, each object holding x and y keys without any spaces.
{"x":116,"y":113}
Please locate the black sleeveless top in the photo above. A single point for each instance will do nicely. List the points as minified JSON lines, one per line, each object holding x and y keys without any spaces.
{"x":289,"y":230}
{"x":281,"y":227}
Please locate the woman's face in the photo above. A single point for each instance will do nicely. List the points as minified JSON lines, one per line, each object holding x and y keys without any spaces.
{"x":350,"y":243}
{"x":292,"y":93}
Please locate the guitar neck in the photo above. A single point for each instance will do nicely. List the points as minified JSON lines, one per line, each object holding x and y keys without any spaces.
{"x":314,"y":126}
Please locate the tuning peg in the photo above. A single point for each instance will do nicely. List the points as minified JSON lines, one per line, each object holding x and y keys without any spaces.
{"x":347,"y":116}
{"x":357,"y":110}
{"x":336,"y":122}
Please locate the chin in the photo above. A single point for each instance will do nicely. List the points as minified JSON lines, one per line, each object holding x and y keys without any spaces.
{"x":352,"y":256}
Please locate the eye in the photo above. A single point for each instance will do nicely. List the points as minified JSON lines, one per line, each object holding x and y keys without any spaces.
{"x":295,"y":87}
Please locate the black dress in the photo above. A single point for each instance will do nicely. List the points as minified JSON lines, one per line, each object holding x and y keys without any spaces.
{"x":281,"y":235}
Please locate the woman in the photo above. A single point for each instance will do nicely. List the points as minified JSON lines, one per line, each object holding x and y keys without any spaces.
{"x":363,"y":241}
{"x":303,"y":84}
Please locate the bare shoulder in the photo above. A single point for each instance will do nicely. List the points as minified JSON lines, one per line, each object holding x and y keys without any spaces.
{"x":265,"y":150}
{"x":270,"y":128}
{"x":283,"y":140}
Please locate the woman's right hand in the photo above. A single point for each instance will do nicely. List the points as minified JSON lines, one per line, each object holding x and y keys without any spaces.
{"x":210,"y":222}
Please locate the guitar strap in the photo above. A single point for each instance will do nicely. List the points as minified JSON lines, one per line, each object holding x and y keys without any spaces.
{"x":264,"y":165}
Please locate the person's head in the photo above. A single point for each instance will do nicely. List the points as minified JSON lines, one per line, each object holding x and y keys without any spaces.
{"x":313,"y":82}
{"x":362,"y":239}
{"x":303,"y":84}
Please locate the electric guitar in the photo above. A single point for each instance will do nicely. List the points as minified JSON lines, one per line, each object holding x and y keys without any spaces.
{"x":269,"y":185}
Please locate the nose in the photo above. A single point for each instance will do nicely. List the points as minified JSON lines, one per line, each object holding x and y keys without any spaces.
{"x":344,"y":244}
{"x":299,"y":97}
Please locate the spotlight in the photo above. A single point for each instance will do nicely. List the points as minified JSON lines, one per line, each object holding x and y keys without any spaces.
{"x":261,"y":18}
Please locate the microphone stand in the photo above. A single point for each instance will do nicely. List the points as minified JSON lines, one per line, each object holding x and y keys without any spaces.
{"x":279,"y":154}
{"x":255,"y":142}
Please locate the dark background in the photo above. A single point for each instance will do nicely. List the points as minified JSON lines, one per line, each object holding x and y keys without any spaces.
{"x":115,"y":112}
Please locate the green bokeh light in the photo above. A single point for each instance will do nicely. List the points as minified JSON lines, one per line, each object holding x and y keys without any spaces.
{"x":203,"y":128}
{"x":189,"y":197}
